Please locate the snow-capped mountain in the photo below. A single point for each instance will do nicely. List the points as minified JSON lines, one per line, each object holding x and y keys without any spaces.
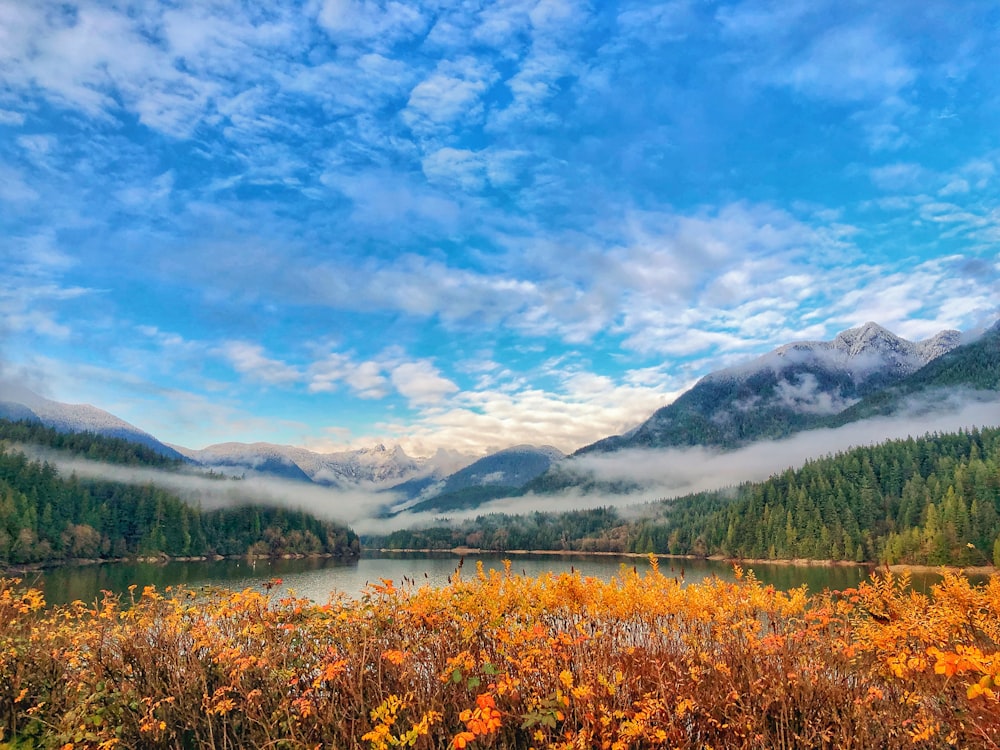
{"x":864,"y":351}
{"x":375,"y":467}
{"x":792,"y":388}
{"x":17,"y":402}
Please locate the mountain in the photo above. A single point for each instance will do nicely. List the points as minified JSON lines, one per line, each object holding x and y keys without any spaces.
{"x":964,"y":371}
{"x":377,"y":466}
{"x":239,"y":459}
{"x":499,"y":474}
{"x":796,"y":387}
{"x":928,"y":501}
{"x":19,"y":403}
{"x":46,"y":516}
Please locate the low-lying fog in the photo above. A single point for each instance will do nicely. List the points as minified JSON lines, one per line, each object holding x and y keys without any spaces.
{"x":663,"y":473}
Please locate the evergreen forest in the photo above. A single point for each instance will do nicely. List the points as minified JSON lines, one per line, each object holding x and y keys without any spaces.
{"x":933,"y":500}
{"x":45,"y":516}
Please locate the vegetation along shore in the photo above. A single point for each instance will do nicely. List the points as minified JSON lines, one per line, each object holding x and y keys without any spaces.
{"x":496,"y":659}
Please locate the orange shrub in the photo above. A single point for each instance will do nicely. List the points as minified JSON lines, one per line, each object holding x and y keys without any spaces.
{"x":507,"y":661}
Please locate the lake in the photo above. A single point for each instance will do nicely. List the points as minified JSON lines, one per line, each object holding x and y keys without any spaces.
{"x":316,"y":578}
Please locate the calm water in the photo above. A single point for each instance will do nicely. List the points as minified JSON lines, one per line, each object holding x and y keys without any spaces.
{"x":318,"y":578}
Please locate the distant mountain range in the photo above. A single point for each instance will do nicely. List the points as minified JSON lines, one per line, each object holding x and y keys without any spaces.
{"x":863,"y":372}
{"x":376,"y":467}
{"x":499,"y":474}
{"x":796,"y":387}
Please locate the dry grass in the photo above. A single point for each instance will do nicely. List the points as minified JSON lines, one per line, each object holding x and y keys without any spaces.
{"x":506,"y":661}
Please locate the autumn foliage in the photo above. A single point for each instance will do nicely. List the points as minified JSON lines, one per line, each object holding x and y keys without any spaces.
{"x":498,"y":660}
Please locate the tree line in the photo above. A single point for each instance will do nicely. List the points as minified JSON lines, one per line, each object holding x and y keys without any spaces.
{"x":45,"y":516}
{"x":88,"y":445}
{"x":933,"y":500}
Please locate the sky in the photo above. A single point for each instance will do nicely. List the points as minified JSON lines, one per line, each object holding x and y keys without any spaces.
{"x":335,"y":222}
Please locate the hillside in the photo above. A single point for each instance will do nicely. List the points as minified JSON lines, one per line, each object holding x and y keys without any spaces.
{"x":45,"y":516}
{"x":796,"y":387}
{"x":20,"y":404}
{"x":919,"y":501}
{"x":963,"y":371}
{"x":499,"y":474}
{"x":922,"y":501}
{"x":88,"y":445}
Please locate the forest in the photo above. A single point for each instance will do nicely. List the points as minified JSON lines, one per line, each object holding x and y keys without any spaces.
{"x":933,"y":500}
{"x":47,"y":517}
{"x":84,"y":444}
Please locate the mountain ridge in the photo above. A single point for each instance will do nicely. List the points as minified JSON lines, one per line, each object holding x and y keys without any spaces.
{"x":791,"y":388}
{"x":19,"y":403}
{"x":376,"y":466}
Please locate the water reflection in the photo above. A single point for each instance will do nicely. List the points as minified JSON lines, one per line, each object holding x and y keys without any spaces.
{"x":317,"y":578}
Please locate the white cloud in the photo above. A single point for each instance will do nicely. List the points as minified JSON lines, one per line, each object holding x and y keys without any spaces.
{"x":249,"y":359}
{"x":585,"y":408}
{"x":7,"y":117}
{"x":898,"y":177}
{"x":851,"y":64}
{"x":451,"y":93}
{"x":365,"y":379}
{"x":14,"y":186}
{"x":452,"y":167}
{"x":381,"y":21}
{"x":421,"y":383}
{"x":957,"y":186}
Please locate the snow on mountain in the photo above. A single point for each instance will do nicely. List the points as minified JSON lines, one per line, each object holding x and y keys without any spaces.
{"x":510,"y":467}
{"x":492,"y":476}
{"x":861,"y":351}
{"x":787,"y":390}
{"x":376,"y":466}
{"x":17,"y":402}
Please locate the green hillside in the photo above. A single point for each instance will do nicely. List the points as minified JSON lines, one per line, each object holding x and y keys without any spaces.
{"x":84,"y":444}
{"x":933,"y":500}
{"x":47,"y":517}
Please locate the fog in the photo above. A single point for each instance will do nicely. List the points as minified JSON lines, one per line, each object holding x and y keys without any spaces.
{"x":346,"y":506}
{"x":662,"y":473}
{"x":667,"y":473}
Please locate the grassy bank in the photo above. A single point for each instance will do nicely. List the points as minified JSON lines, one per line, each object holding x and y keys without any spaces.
{"x":506,"y":661}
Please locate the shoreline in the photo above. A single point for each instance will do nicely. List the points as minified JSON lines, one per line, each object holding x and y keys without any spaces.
{"x":984,"y":570}
{"x":979,"y":570}
{"x":81,"y":562}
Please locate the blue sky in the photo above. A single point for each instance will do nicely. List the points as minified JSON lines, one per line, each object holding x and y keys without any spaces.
{"x":472,"y":225}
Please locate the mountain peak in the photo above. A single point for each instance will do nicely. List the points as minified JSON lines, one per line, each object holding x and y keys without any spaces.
{"x":791,"y":388}
{"x":869,"y":337}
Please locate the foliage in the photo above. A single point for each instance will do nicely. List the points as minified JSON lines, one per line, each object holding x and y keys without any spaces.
{"x":933,"y":500}
{"x":578,"y":530}
{"x":88,"y":445}
{"x":44,"y":516}
{"x":501,"y":660}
